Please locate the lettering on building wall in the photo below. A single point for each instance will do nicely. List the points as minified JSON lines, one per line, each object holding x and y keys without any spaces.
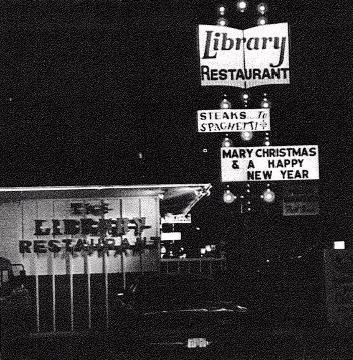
{"x":87,"y":234}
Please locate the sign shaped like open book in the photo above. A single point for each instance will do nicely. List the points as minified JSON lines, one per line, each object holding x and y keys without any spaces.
{"x":244,"y":58}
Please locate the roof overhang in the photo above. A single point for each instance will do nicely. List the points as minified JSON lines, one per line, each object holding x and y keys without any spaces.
{"x":180,"y":200}
{"x":174,"y":198}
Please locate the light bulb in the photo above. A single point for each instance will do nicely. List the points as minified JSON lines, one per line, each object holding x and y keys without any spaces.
{"x":262,"y":20}
{"x":222,"y":22}
{"x":227,"y":142}
{"x":246,"y":135}
{"x":268,"y":196}
{"x":245,"y":96}
{"x":262,"y":8}
{"x":221,"y":10}
{"x":265,"y":103}
{"x":242,"y":5}
{"x":225,"y":104}
{"x":228,"y":196}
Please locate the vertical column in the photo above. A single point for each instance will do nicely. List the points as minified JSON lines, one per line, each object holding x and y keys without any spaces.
{"x":71,"y":298}
{"x":37,"y":304}
{"x":53,"y":282}
{"x":122,"y":253}
{"x":140,"y":235}
{"x":105,"y":267}
{"x":89,"y":305}
{"x":87,"y":270}
{"x":54,"y":303}
{"x":37,"y":288}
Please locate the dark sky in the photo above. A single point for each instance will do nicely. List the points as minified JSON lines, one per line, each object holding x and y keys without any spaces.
{"x":87,"y":85}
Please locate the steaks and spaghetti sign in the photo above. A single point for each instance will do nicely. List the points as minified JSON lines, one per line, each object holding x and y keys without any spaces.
{"x":244,"y":58}
{"x":233,"y":120}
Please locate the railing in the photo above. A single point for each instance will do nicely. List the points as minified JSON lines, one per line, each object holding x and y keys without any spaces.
{"x":205,"y":265}
{"x":78,"y":302}
{"x":74,"y":302}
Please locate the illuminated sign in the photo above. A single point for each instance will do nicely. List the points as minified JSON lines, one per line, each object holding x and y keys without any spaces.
{"x":176,"y":219}
{"x":294,"y":208}
{"x":170,"y":236}
{"x":233,"y":120}
{"x":244,"y":58}
{"x":270,"y":163}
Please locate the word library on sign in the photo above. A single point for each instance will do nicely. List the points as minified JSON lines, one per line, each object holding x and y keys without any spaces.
{"x":244,"y":58}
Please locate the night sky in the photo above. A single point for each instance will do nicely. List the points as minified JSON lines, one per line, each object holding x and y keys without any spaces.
{"x":88,"y":85}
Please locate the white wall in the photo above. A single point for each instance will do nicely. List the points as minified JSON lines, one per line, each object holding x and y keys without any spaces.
{"x":17,"y":222}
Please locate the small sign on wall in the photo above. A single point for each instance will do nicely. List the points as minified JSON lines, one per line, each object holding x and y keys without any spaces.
{"x":297,"y":208}
{"x":176,"y":219}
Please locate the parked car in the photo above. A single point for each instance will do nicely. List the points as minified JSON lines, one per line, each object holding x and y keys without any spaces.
{"x":185,"y":311}
{"x":15,"y":306}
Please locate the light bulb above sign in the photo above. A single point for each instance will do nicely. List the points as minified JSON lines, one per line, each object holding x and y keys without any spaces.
{"x":270,"y":163}
{"x":244,"y":58}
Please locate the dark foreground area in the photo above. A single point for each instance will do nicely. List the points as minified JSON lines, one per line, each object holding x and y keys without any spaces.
{"x":290,"y":314}
{"x":282,"y":342}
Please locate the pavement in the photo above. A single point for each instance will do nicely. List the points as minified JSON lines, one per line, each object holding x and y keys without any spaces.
{"x":287,"y":342}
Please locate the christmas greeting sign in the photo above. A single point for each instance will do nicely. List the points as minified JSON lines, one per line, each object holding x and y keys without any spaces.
{"x":270,"y":163}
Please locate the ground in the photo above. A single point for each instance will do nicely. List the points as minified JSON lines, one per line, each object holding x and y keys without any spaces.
{"x":329,"y":343}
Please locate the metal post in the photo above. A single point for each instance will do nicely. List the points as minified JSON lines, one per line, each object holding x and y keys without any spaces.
{"x":122,"y":253}
{"x":105,"y":268}
{"x":200,"y":266}
{"x":140,"y":236}
{"x":88,"y":272}
{"x":106,"y":282}
{"x":37,"y":304}
{"x":89,"y":298}
{"x":123,"y":268}
{"x":37,"y":286}
{"x":53,"y":282}
{"x":54,"y":302}
{"x":71,"y":299}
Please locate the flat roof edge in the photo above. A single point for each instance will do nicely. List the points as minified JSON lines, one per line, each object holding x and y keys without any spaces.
{"x":96,"y":187}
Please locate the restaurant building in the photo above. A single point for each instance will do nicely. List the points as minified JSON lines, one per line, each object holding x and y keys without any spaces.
{"x":81,"y":246}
